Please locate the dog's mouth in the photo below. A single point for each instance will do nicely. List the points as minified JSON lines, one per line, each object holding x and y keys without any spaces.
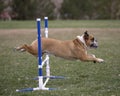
{"x":94,"y":44}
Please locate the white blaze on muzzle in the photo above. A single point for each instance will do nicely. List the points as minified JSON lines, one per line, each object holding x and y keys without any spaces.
{"x":94,"y":44}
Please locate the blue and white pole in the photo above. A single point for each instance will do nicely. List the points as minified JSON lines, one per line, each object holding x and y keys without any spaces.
{"x":40,"y":76}
{"x":47,"y":55}
{"x":40,"y":66}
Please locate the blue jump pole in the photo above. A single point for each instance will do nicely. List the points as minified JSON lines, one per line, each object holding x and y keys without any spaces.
{"x":39,"y":47}
{"x":40,"y":76}
{"x":47,"y":55}
{"x":46,"y":26}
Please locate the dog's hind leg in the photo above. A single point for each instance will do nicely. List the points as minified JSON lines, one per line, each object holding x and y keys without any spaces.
{"x":27,"y":48}
{"x":20,"y":48}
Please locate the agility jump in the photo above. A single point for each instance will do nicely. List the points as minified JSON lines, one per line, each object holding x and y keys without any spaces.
{"x":42,"y":79}
{"x":75,"y":49}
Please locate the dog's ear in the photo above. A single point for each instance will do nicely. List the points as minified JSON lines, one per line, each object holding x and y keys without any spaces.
{"x":86,"y":35}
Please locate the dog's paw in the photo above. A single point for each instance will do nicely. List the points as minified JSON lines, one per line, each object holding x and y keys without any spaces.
{"x":15,"y":49}
{"x":100,"y":60}
{"x":19,"y":49}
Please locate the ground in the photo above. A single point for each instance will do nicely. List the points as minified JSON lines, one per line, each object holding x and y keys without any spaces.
{"x":85,"y":79}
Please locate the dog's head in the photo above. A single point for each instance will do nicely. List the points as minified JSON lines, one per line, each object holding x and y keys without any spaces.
{"x":88,"y":40}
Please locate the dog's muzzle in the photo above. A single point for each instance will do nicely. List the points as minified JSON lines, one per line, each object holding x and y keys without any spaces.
{"x":94,"y":44}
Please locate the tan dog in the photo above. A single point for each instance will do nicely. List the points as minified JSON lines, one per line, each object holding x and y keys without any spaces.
{"x":70,"y":49}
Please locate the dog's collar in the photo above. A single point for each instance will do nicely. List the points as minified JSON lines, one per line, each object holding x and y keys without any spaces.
{"x":81,"y":38}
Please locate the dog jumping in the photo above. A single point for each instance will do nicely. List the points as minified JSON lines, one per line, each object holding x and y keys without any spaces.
{"x":69,"y":49}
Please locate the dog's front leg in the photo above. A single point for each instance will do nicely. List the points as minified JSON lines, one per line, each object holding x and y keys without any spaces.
{"x":91,"y":57}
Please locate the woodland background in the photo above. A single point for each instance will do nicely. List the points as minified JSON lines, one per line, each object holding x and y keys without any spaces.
{"x":59,"y":9}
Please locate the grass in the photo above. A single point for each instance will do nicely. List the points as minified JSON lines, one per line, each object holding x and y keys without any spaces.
{"x":62,"y":24}
{"x":17,"y":70}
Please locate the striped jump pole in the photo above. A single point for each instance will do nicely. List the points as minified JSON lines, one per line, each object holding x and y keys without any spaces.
{"x":48,"y":76}
{"x":47,"y":55}
{"x":40,"y":63}
{"x":40,"y":75}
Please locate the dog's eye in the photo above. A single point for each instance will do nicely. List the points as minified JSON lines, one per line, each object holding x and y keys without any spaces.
{"x":92,"y":39}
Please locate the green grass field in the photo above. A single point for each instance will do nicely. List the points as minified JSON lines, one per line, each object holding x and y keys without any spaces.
{"x":17,"y":70}
{"x":62,"y":24}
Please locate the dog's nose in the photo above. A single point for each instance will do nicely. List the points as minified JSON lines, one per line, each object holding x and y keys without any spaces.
{"x":96,"y":43}
{"x":95,"y":40}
